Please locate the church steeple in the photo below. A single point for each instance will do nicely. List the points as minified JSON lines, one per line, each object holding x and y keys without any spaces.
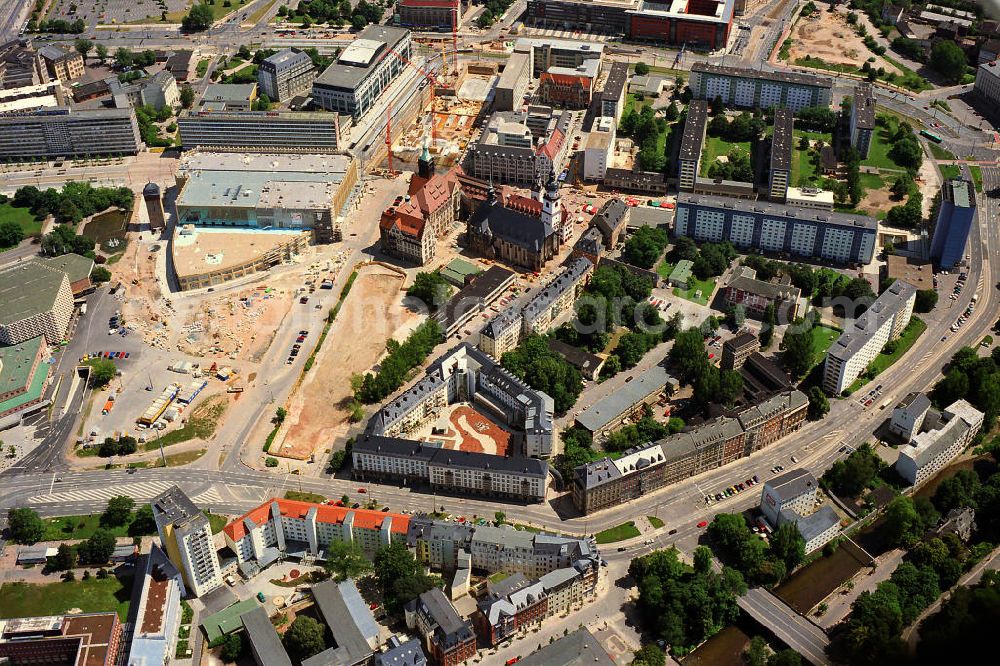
{"x":425,"y":165}
{"x":551,"y":203}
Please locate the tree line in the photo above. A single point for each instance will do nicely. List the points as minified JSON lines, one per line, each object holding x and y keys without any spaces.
{"x":402,"y":358}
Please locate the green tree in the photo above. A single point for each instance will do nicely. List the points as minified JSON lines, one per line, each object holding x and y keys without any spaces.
{"x":25,"y":526}
{"x":304,"y":638}
{"x":788,"y":545}
{"x":797,"y":344}
{"x":688,"y":354}
{"x":756,"y":653}
{"x":949,"y":60}
{"x":232,"y":647}
{"x":393,"y":563}
{"x":346,"y":560}
{"x":786,"y":657}
{"x":10,"y":234}
{"x":819,"y":405}
{"x":199,"y":18}
{"x":925,"y":301}
{"x":280,"y":414}
{"x":64,"y":559}
{"x":98,"y":548}
{"x":901,"y":186}
{"x":102,"y":53}
{"x":767,"y":327}
{"x":641,"y":69}
{"x":901,"y":520}
{"x":83,"y":46}
{"x":187,"y":96}
{"x":702,"y":559}
{"x":649,"y":655}
{"x":118,"y":511}
{"x":431,"y":288}
{"x":143,"y":523}
{"x":102,"y":371}
{"x":500,"y":517}
{"x":644,"y":247}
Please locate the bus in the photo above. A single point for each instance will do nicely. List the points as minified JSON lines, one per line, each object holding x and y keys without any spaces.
{"x":933,"y":137}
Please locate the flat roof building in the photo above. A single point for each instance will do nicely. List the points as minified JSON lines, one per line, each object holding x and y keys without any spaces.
{"x":939,"y":441}
{"x":692,"y":140}
{"x":548,"y":53}
{"x":363,"y":70}
{"x":956,"y":217}
{"x":261,"y":131}
{"x":753,"y":88}
{"x":23,"y":375}
{"x":513,"y":83}
{"x":228,"y":97}
{"x":609,"y":413}
{"x":441,"y":15}
{"x":613,"y":94}
{"x":186,"y":536}
{"x":35,"y":299}
{"x":863,"y":118}
{"x":285,"y":74}
{"x":780,"y":173}
{"x":864,"y":338}
{"x":86,"y":639}
{"x":65,"y":132}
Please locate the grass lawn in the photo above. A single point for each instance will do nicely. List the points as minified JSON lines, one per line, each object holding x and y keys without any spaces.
{"x":940,"y":153}
{"x":950,"y":171}
{"x":633,"y":103}
{"x":977,"y":176}
{"x":909,"y":336}
{"x":22,"y":216}
{"x":497,"y":577}
{"x":804,"y":171}
{"x":79,"y":527}
{"x":178,"y":459}
{"x":202,"y":67}
{"x":665,"y":268}
{"x":655,"y":522}
{"x":620,"y":533}
{"x":878,"y":153}
{"x":871,"y":181}
{"x":90,"y":596}
{"x":716,"y":147}
{"x":305,"y":497}
{"x":218,"y":11}
{"x":694,"y":285}
{"x":201,"y":424}
{"x":822,"y":338}
{"x":216,"y":522}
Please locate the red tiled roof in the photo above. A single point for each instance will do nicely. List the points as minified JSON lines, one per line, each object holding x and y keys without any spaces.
{"x":400,"y":218}
{"x":325,"y":513}
{"x":552,"y":146}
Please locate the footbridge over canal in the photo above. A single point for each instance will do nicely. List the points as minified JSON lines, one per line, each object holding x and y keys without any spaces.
{"x":788,"y":626}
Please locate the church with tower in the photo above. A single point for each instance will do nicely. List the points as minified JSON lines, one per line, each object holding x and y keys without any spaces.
{"x":525,"y":232}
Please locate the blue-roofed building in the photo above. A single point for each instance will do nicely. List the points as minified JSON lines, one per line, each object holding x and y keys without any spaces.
{"x":954,"y":221}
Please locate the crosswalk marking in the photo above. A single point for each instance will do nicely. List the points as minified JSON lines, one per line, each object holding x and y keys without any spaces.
{"x":143,"y":491}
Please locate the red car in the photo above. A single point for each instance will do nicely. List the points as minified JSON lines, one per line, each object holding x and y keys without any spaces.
{"x":703,"y":523}
{"x":362,"y":491}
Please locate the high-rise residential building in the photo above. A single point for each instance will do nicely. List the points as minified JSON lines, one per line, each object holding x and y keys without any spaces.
{"x":692,"y":140}
{"x":780,"y":174}
{"x":956,"y":217}
{"x":753,"y":88}
{"x":862,"y":340}
{"x":442,"y":15}
{"x":64,"y":132}
{"x":863,"y":118}
{"x":261,"y":131}
{"x":613,"y":95}
{"x":285,"y":74}
{"x":770,"y":227}
{"x":186,"y":536}
{"x":363,"y":70}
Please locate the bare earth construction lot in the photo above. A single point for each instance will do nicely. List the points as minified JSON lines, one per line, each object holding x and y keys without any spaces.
{"x":319,"y":409}
{"x":827,"y":36}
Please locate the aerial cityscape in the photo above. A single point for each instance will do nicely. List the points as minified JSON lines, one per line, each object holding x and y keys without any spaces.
{"x":456,"y":332}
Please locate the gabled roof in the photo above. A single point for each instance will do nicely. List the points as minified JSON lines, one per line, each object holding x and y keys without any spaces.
{"x":325,"y":513}
{"x":493,"y":218}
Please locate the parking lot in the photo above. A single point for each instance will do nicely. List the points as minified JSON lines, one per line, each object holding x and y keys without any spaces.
{"x":109,"y":12}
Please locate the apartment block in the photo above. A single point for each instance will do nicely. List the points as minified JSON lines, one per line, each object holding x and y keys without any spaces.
{"x":987,"y":84}
{"x":448,"y":637}
{"x":863,"y":118}
{"x":600,"y":148}
{"x":63,"y":64}
{"x":613,"y":95}
{"x":186,"y":537}
{"x":506,"y":330}
{"x":908,"y":415}
{"x":862,"y":340}
{"x":792,"y":491}
{"x":942,"y":436}
{"x":85,"y":639}
{"x":285,"y":74}
{"x":692,"y":140}
{"x":770,"y":227}
{"x":752,"y":88}
{"x":64,"y":132}
{"x":286,"y":528}
{"x":611,"y":412}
